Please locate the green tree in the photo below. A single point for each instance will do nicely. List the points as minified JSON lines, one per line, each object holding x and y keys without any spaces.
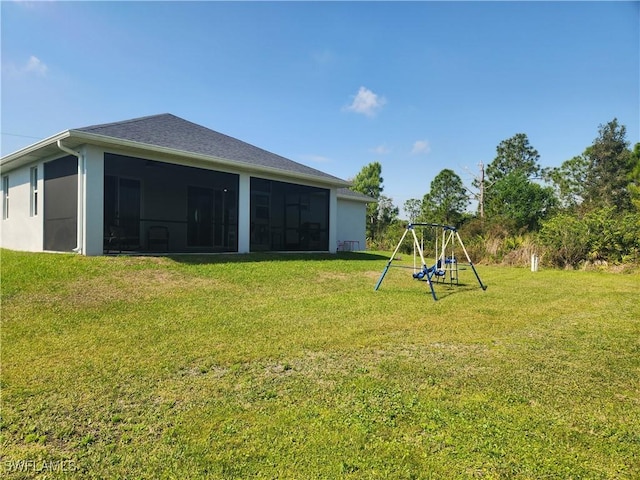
{"x":569,"y":180}
{"x":447,"y":199}
{"x":518,"y":203}
{"x":387,"y":214}
{"x":369,"y":182}
{"x":412,"y":208}
{"x":634,"y":177}
{"x":609,"y":168}
{"x":512,"y":199}
{"x":427,"y":209}
{"x":514,"y":155}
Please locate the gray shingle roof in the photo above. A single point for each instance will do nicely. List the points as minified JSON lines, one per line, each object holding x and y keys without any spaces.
{"x":168,"y":131}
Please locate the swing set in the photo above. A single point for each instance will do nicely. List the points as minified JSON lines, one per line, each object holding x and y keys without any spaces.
{"x":445,"y":269}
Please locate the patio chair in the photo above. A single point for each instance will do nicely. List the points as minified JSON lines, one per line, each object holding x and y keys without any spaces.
{"x":114,"y":238}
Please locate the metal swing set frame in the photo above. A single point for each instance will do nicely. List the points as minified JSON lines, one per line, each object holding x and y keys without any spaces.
{"x":444,"y":265}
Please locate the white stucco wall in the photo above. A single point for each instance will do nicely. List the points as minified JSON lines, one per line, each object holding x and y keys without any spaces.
{"x":351,"y":223}
{"x":244,"y":220}
{"x":22,"y":231}
{"x":93,"y":207}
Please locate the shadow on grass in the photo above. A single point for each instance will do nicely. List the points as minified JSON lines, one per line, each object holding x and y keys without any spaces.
{"x":203,"y":259}
{"x":444,"y":290}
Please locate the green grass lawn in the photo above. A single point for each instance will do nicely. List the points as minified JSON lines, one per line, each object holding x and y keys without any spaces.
{"x":292,"y":366}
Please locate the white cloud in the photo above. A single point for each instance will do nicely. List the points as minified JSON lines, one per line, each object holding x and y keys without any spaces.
{"x":381,"y":150}
{"x":366,"y":102}
{"x":35,"y":65}
{"x":421,"y":147}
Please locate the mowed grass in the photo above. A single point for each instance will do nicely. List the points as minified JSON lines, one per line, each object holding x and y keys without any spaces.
{"x":292,"y":366}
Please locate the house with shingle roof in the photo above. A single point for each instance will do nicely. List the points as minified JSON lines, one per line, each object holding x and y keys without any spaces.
{"x":162,"y":184}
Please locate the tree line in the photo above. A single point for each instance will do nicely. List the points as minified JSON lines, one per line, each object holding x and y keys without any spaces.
{"x":586,"y":211}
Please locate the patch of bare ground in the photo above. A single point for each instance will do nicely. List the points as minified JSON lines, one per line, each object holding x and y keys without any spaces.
{"x":144,"y":260}
{"x":604,"y":266}
{"x":325,"y":276}
{"x":372,"y":274}
{"x":323,"y":367}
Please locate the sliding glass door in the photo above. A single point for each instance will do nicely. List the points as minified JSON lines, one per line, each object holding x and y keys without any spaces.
{"x":200,"y":217}
{"x":288,"y":217}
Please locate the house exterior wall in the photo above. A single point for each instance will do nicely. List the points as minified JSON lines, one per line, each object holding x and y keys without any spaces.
{"x":93,"y":200}
{"x":351,"y":223}
{"x":244,"y":213}
{"x":22,"y":230}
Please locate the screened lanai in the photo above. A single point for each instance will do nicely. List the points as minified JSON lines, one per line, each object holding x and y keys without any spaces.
{"x":152,"y":206}
{"x":157,"y":207}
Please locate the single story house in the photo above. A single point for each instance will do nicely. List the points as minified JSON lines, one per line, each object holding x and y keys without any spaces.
{"x":162,"y":184}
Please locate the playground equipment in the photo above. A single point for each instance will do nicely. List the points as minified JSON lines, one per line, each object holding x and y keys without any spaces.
{"x":445,"y":266}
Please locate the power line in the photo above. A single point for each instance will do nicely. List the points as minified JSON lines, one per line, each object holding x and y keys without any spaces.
{"x":18,"y":135}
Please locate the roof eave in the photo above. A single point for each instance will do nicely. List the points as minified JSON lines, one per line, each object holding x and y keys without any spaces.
{"x":15,"y":157}
{"x":357,"y":198}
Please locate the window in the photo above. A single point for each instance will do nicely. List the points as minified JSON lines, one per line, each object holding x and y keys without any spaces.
{"x":34,"y":192}
{"x":5,"y":197}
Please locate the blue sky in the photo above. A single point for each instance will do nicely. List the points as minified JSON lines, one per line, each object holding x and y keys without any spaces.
{"x":417,"y":86}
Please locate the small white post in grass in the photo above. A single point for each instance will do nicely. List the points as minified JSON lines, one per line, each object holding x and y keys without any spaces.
{"x":534,"y":262}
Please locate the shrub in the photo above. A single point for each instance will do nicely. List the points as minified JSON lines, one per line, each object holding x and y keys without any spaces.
{"x":600,"y":236}
{"x":566,"y":240}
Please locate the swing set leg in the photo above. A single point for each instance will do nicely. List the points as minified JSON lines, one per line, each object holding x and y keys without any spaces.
{"x":483,"y":286}
{"x":384,"y":272}
{"x":433,"y":292}
{"x":386,"y":268}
